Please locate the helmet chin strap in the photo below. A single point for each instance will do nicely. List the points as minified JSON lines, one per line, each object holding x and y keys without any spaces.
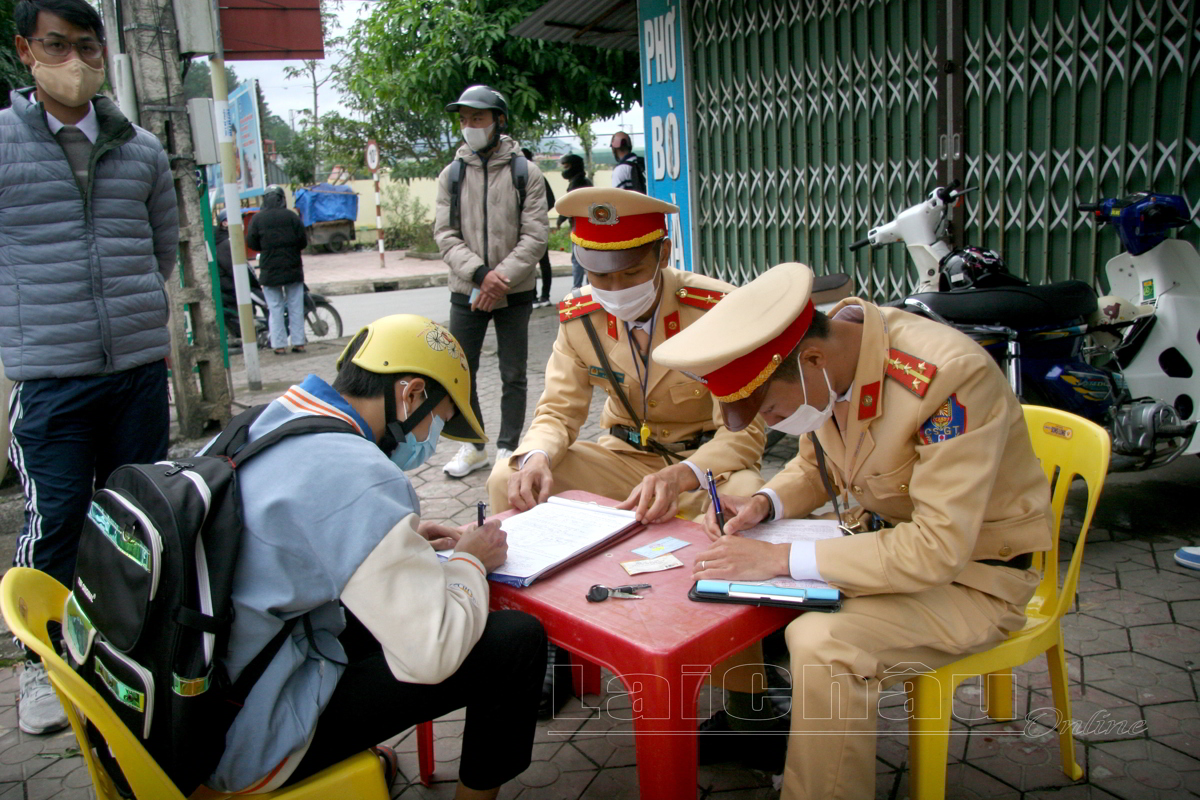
{"x":396,"y":429}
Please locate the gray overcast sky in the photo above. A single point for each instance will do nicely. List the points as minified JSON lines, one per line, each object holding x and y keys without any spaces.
{"x":284,"y":95}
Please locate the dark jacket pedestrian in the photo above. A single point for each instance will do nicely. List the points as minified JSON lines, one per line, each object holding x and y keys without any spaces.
{"x":577,"y":178}
{"x":278,"y":234}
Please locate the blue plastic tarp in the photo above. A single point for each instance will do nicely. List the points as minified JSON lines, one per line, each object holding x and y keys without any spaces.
{"x":326,"y":203}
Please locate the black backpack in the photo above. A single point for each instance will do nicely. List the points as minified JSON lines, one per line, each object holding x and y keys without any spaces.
{"x":639,"y":172}
{"x":520,"y":177}
{"x":148,"y":619}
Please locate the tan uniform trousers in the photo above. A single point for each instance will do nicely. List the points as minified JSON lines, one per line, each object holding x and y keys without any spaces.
{"x":595,"y":468}
{"x":850,"y":654}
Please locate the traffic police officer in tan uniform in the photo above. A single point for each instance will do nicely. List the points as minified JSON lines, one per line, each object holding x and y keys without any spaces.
{"x":653,"y":459}
{"x":918,"y":426}
{"x":657,"y":449}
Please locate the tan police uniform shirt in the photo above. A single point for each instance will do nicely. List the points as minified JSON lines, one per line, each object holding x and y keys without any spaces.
{"x":675,"y":406}
{"x":936,"y":445}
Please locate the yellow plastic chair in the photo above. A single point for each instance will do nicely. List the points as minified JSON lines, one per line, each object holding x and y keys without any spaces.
{"x":29,"y":599}
{"x":1068,"y":447}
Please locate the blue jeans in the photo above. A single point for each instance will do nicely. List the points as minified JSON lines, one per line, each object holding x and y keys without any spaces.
{"x":291,"y":294}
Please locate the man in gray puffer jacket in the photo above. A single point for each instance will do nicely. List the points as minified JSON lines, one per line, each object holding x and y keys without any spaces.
{"x":492,"y":250}
{"x":88,"y":237}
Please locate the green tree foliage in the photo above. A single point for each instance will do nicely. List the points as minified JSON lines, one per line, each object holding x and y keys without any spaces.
{"x":13,"y":74}
{"x":412,"y":57}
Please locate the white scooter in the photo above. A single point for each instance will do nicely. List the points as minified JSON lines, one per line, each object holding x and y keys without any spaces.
{"x":1132,"y":368}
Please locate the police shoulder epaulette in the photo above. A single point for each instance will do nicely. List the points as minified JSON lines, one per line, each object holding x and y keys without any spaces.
{"x":576,"y":307}
{"x":699,"y":298}
{"x":913,"y":373}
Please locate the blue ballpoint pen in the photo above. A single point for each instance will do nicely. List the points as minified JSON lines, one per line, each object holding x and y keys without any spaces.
{"x":716,"y":501}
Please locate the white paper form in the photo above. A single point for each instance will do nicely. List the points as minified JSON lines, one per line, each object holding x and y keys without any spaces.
{"x":556,"y":530}
{"x":786,"y":531}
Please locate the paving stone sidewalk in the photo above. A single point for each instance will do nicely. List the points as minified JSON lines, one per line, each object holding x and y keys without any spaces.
{"x":1133,"y":641}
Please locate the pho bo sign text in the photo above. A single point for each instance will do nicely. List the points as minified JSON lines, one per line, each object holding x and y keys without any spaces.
{"x":664,"y":101}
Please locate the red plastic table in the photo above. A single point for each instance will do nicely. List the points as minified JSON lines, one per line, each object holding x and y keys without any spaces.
{"x":661,"y":648}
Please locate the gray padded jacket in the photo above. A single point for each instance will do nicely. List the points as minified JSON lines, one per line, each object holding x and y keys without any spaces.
{"x":82,"y":284}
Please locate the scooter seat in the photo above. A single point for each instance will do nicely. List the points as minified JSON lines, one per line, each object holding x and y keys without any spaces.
{"x":1019,"y":307}
{"x":831,"y":288}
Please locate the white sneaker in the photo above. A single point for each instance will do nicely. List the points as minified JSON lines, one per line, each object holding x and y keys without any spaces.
{"x":503,"y":454}
{"x":38,"y":709}
{"x":466,"y":461}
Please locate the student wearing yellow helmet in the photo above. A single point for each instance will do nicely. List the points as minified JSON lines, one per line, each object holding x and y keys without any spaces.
{"x":392,"y":635}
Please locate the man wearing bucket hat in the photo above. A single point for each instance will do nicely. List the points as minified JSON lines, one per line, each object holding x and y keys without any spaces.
{"x":332,"y":523}
{"x":918,"y":424}
{"x":662,"y":428}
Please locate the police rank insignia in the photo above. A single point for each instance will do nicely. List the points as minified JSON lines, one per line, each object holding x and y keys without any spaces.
{"x":947,"y":422}
{"x":912,"y":372}
{"x":698,"y":298}
{"x":575,"y":307}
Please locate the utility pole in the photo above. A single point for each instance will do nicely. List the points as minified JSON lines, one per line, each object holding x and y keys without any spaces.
{"x":226,"y":131}
{"x":146,"y":32}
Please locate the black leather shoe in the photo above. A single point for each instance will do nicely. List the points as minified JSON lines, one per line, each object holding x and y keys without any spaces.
{"x":717,"y":743}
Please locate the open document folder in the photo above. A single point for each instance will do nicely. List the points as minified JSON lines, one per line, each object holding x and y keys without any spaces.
{"x":553,"y":534}
{"x":812,"y":595}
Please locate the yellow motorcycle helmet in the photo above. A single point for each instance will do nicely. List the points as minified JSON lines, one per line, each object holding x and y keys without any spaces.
{"x":412,"y":344}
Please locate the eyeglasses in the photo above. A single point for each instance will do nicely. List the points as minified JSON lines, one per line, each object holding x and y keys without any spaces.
{"x":61,"y":48}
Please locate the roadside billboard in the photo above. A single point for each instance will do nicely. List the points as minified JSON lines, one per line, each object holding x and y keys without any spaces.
{"x":250,"y":170}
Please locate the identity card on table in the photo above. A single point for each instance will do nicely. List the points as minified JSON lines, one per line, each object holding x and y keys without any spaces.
{"x":553,"y":534}
{"x":782,"y":591}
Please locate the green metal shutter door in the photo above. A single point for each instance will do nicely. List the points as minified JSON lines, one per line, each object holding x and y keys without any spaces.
{"x":815,"y":122}
{"x":1068,"y":102}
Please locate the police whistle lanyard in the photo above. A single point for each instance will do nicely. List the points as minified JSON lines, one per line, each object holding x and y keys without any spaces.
{"x":641,"y":362}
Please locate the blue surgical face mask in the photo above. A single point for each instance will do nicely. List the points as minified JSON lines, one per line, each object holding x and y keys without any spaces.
{"x":410,"y":454}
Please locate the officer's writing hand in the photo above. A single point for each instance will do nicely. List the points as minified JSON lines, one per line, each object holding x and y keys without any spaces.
{"x":740,"y":513}
{"x":736,"y":558}
{"x":531,"y":484}
{"x":656,"y":498}
{"x":440,"y":537}
{"x":487,"y":543}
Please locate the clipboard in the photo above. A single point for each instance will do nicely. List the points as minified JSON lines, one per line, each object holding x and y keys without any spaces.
{"x":753,"y":594}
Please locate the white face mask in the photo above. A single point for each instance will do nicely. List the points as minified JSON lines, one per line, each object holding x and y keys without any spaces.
{"x":806,"y":418}
{"x":628,"y":304}
{"x":477,"y":138}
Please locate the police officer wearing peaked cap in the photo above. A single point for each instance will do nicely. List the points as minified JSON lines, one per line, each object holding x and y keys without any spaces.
{"x":919,"y":425}
{"x":654,"y":459}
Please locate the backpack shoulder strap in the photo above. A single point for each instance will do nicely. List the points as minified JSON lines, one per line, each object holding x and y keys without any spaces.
{"x":457,"y":166}
{"x":258,"y":665}
{"x":294,"y":427}
{"x":233,"y":437}
{"x":520,"y":176}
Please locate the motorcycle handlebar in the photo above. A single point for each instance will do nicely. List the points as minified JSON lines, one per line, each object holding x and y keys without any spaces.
{"x":1086,"y":207}
{"x":861,"y":243}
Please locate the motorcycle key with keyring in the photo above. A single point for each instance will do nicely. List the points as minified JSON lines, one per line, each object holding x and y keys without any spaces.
{"x":598,"y":593}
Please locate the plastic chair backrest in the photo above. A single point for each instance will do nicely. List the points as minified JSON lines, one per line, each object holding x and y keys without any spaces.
{"x":29,"y":599}
{"x":1068,"y":446}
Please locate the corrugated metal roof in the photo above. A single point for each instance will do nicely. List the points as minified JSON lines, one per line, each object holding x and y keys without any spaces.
{"x":612,"y":24}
